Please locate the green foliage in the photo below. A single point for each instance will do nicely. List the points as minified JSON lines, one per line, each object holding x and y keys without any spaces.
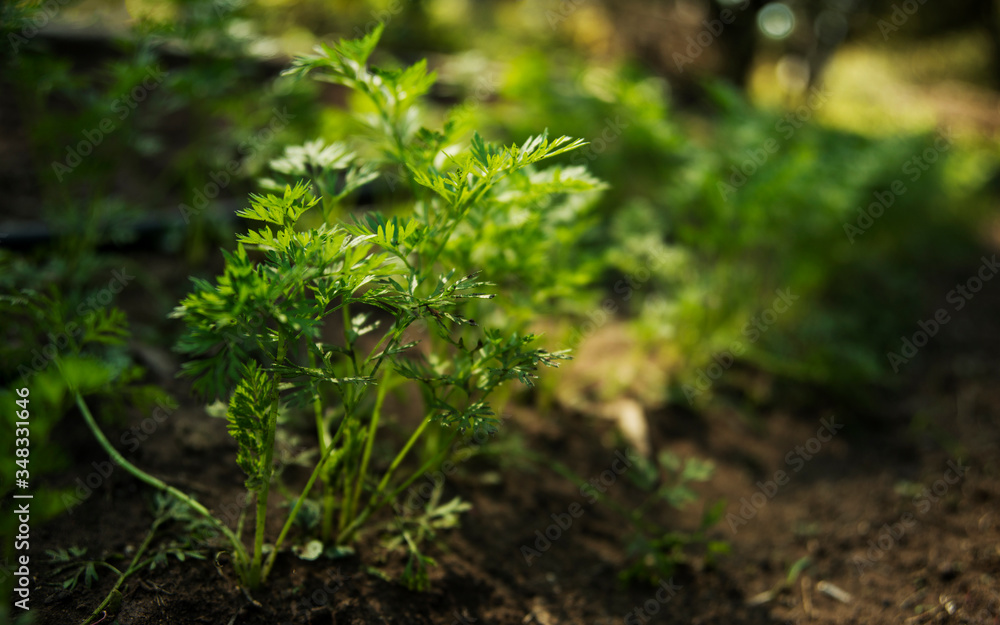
{"x":257,"y":333}
{"x":75,"y":567}
{"x":111,"y":136}
{"x":736,"y":240}
{"x":410,"y":530}
{"x":247,"y":425}
{"x":175,"y":532}
{"x":49,"y":350}
{"x":695,"y":248}
{"x":653,"y":551}
{"x":522,"y":226}
{"x":674,"y":489}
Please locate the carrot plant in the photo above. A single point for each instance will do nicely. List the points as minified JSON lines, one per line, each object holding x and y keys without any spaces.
{"x":315,"y":312}
{"x":525,"y":227}
{"x":521,"y":225}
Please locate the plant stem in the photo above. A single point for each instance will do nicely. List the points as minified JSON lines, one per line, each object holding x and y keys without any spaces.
{"x":329,"y":500}
{"x":238,"y":548}
{"x":133,"y":567}
{"x":350,"y":405}
{"x":346,"y":533}
{"x":346,"y":478}
{"x":268,"y":471}
{"x":438,"y":457}
{"x":321,"y":433}
{"x":294,"y":513}
{"x":370,"y":441}
{"x":328,"y":497}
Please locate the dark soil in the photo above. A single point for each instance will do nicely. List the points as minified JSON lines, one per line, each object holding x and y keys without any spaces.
{"x":854,"y":509}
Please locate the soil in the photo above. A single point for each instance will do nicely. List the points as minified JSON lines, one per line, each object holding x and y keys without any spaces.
{"x":850,"y":502}
{"x":855,"y":507}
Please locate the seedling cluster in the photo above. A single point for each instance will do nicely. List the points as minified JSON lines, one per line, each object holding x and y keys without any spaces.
{"x":321,"y":311}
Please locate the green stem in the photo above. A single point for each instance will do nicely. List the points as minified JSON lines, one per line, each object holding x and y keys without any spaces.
{"x":376,"y":502}
{"x":321,"y":433}
{"x":345,"y":484}
{"x":346,"y":312}
{"x":370,"y":441}
{"x":444,"y":241}
{"x":438,"y":457}
{"x":324,"y":447}
{"x":402,"y":454}
{"x":238,"y":548}
{"x":329,"y":498}
{"x":133,"y":567}
{"x":350,"y":405}
{"x":267,"y":470}
{"x":241,"y":520}
{"x":390,"y":118}
{"x":329,"y":502}
{"x":294,"y":513}
{"x":345,"y":479}
{"x":397,"y":334}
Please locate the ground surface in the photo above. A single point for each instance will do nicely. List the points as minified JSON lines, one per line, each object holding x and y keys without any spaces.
{"x":853,"y":504}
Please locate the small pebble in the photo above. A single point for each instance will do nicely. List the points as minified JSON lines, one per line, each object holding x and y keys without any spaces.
{"x":834,"y":592}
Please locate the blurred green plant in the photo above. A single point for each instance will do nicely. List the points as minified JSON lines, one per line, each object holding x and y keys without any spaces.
{"x":770,"y":211}
{"x":711,"y":214}
{"x":655,"y":552}
{"x":50,"y":352}
{"x":154,"y":126}
{"x":412,"y":528}
{"x":175,"y":532}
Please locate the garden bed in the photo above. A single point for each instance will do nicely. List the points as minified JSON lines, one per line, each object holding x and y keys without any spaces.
{"x":832,"y":511}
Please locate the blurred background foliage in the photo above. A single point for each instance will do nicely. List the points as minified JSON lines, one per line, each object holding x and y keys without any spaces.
{"x":739,"y":140}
